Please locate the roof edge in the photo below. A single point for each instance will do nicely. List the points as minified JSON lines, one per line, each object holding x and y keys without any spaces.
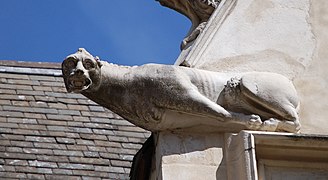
{"x":31,"y":68}
{"x":30,"y":64}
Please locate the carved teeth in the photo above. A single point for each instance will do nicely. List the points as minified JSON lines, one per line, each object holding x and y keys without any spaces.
{"x":78,"y":83}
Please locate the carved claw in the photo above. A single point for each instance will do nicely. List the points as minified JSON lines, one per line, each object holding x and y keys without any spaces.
{"x":193,"y":35}
{"x":254,"y":122}
{"x":269,"y":125}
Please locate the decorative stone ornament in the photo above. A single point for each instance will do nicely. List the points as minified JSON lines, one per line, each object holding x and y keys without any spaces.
{"x":198,"y":11}
{"x":146,"y":95}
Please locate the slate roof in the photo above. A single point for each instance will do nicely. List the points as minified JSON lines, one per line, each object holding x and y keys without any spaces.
{"x":47,"y":133}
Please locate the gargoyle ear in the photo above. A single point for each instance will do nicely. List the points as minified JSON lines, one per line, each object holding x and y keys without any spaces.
{"x":98,"y":61}
{"x":65,"y":73}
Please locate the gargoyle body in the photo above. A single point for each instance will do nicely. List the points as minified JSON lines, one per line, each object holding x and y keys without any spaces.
{"x":143,"y":94}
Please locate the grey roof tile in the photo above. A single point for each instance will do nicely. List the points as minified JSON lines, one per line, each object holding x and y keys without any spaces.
{"x":47,"y":133}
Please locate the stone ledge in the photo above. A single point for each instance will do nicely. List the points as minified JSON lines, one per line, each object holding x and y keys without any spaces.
{"x":248,"y":155}
{"x":269,"y":155}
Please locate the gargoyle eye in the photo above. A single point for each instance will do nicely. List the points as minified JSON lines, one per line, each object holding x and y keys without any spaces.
{"x":88,"y":64}
{"x":70,"y":63}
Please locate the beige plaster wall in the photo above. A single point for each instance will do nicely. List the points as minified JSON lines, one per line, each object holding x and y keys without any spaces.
{"x":312,"y":84}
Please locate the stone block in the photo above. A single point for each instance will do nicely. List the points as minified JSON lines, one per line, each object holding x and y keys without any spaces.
{"x":109,"y":155}
{"x":5,"y":102}
{"x":34,"y":92}
{"x":38,"y":151}
{"x":23,"y":82}
{"x":85,"y":142}
{"x":32,"y":127}
{"x":21,"y":143}
{"x":119,"y":163}
{"x":56,"y":177}
{"x":57,"y":105}
{"x":65,"y":140}
{"x":109,"y":169}
{"x":16,"y":162}
{"x":22,"y":120}
{"x":107,"y":143}
{"x":69,"y":112}
{"x":8,"y":155}
{"x":35,"y":176}
{"x":67,"y":153}
{"x":43,"y":164}
{"x":62,"y":171}
{"x":81,"y":130}
{"x":94,"y":137}
{"x":12,"y":175}
{"x":26,"y":132}
{"x":95,"y":161}
{"x":91,"y":173}
{"x":59,"y":117}
{"x":76,"y":166}
{"x":11,"y":114}
{"x":41,"y":88}
{"x":77,"y":147}
{"x":189,"y":156}
{"x":14,"y":149}
{"x":14,"y":86}
{"x":91,"y":154}
{"x":50,"y":146}
{"x":52,"y":158}
{"x":103,"y":132}
{"x":20,"y":103}
{"x":97,"y":148}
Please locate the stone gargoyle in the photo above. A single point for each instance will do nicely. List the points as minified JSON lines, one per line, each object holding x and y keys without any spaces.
{"x":145,"y":94}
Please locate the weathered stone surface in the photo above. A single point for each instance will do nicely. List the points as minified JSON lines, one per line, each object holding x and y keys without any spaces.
{"x":189,"y":156}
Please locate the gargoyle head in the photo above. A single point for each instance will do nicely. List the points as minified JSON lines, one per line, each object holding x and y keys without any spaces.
{"x":81,"y":72}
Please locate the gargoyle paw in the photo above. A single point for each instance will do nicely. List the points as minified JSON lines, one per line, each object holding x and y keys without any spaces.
{"x":269,"y":125}
{"x":254,"y":122}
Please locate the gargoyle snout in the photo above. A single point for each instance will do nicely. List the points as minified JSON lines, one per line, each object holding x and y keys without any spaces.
{"x":79,"y":72}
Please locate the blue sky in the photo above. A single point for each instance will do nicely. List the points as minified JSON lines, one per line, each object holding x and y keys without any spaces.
{"x":128,"y":32}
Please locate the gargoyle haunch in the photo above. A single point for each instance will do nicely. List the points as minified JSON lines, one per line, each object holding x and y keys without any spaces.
{"x":143,"y":94}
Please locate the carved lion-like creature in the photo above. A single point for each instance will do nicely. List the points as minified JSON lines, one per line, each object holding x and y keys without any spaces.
{"x":144,"y":94}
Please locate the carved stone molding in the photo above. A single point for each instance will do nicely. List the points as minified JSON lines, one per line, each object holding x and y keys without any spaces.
{"x":265,"y":155}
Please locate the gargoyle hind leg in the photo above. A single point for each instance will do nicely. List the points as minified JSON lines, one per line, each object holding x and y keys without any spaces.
{"x":205,"y":107}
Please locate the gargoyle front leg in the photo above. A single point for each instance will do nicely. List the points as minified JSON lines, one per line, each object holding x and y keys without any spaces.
{"x":274,"y":124}
{"x":252,"y":122}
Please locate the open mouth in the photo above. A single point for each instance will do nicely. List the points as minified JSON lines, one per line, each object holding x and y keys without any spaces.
{"x":78,"y":84}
